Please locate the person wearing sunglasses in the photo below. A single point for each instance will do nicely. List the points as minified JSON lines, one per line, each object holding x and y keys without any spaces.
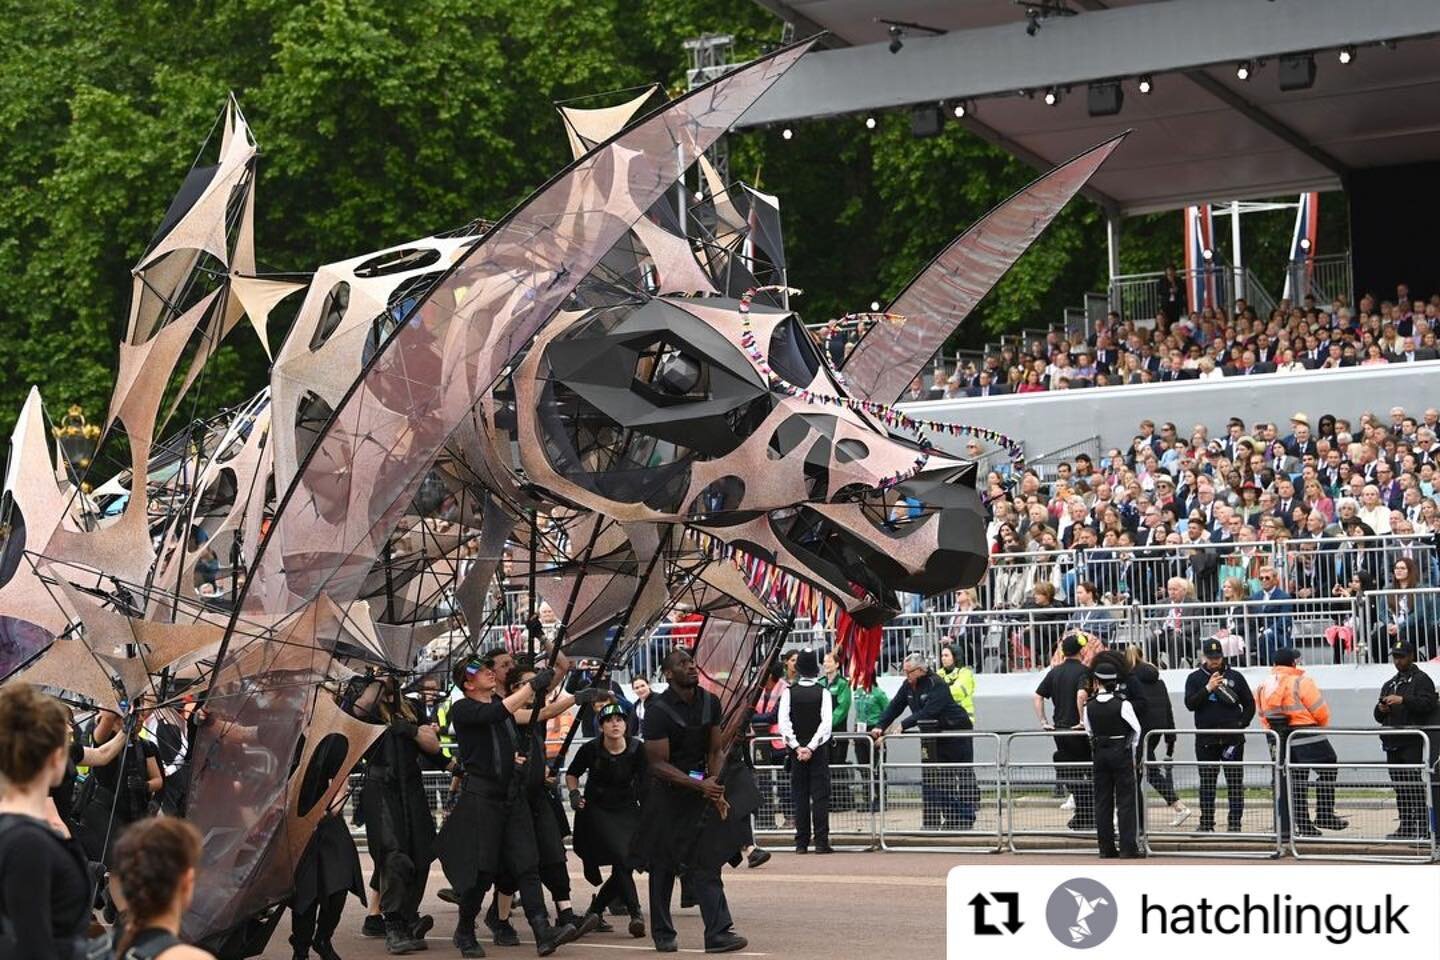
{"x":491,"y":831}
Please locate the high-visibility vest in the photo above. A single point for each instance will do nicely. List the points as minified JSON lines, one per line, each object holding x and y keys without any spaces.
{"x":556,"y":730}
{"x":1288,"y":695}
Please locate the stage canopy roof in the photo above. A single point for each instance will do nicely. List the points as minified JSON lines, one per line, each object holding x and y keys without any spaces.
{"x":1202,"y":134}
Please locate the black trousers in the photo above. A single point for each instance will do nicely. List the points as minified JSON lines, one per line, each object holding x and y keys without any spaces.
{"x":705,"y":887}
{"x":402,"y":886}
{"x":619,"y":887}
{"x":1296,"y":779}
{"x":810,"y":789}
{"x":1114,"y":767}
{"x":1209,"y":751}
{"x":1160,"y":776}
{"x":316,"y":923}
{"x":1071,"y":755}
{"x":1409,"y":793}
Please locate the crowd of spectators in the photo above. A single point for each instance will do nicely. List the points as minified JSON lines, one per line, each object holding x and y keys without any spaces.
{"x":1260,"y":523}
{"x":1202,"y":345}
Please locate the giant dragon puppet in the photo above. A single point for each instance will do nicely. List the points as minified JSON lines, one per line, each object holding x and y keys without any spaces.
{"x":604,"y":396}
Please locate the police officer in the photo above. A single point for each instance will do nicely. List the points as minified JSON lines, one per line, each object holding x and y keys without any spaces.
{"x":491,"y":830}
{"x":1221,"y":700}
{"x":805,"y":725}
{"x":1407,"y":700}
{"x":1110,"y":720}
{"x":1289,"y":702}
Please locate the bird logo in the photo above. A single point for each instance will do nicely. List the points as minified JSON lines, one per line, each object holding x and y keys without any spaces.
{"x":1081,"y":913}
{"x":1084,"y":907}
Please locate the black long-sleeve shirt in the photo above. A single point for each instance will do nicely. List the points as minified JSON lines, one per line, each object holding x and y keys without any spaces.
{"x":44,"y":891}
{"x":1418,"y":705}
{"x":926,"y":699}
{"x":1213,"y":711}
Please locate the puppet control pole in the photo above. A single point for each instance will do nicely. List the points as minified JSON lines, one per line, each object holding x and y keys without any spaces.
{"x":532,"y":617}
{"x":604,"y":672}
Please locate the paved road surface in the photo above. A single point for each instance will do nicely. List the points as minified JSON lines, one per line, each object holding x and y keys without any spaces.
{"x":871,"y":902}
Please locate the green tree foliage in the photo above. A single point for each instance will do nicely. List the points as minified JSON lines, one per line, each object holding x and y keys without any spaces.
{"x":380,"y":122}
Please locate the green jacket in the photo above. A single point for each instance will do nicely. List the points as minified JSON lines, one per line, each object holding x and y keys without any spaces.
{"x":840,"y":696}
{"x":961,"y":681}
{"x":870,"y":706}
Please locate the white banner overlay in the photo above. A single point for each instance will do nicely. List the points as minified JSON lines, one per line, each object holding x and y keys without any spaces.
{"x":1200,"y":911}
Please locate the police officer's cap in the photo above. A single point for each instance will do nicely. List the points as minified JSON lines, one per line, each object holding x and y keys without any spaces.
{"x":1402,"y":648}
{"x":1105,"y":671}
{"x":1212,"y":648}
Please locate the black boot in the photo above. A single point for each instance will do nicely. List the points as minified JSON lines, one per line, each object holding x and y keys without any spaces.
{"x":325,"y":950}
{"x":548,"y":938}
{"x":597,"y":910}
{"x":374,"y":926}
{"x":398,"y":939}
{"x":464,"y":941}
{"x":501,"y":931}
{"x":583,"y":925}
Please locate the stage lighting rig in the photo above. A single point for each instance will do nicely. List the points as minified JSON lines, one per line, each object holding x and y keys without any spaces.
{"x":897,"y":29}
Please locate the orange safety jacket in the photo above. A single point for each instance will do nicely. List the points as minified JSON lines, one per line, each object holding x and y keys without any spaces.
{"x":1289,"y":695}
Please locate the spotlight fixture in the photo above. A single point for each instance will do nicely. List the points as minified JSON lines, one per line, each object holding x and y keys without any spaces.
{"x":1105,"y":99}
{"x":787,"y":133}
{"x":1346,"y":55}
{"x":957,"y":109}
{"x":1052,"y":97}
{"x":1297,"y":72}
{"x":898,"y":28}
{"x":699,"y":196}
{"x":1242,"y":70}
{"x":1145,"y":84}
{"x":1207,"y":253}
{"x":869,"y":123}
{"x":874,"y":305}
{"x":1304,"y":243}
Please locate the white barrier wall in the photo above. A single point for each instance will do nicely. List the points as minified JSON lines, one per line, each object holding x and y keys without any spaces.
{"x":1053,"y":420}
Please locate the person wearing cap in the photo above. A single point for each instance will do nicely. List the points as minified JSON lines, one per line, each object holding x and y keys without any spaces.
{"x":1407,"y":700}
{"x":1299,"y":442}
{"x":1109,"y":718}
{"x":1220,"y":699}
{"x":608,"y":813}
{"x":491,"y":831}
{"x":1061,"y":685}
{"x":1289,"y":702}
{"x":806,"y":718}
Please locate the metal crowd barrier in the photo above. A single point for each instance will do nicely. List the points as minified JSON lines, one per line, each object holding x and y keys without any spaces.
{"x":1019,"y":793}
{"x":1245,"y":825}
{"x":944,"y":786}
{"x":1049,"y":799}
{"x":1367,"y":796}
{"x":853,"y":798}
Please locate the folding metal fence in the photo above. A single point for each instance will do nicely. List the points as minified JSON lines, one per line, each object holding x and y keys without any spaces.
{"x":1241,"y":766}
{"x":945,"y":789}
{"x":1367,"y":797}
{"x":1032,"y":792}
{"x":853,"y":805}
